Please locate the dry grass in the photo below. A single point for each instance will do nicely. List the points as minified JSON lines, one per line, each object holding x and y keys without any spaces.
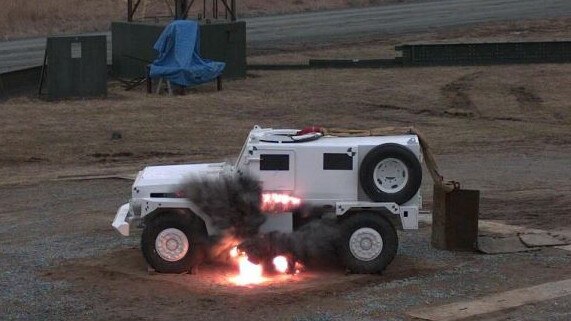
{"x":523,"y":105}
{"x":457,"y":106}
{"x":32,"y":18}
{"x":38,"y":18}
{"x":501,"y":129}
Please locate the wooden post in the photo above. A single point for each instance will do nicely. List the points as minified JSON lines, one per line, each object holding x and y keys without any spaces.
{"x":233,"y":9}
{"x":204,"y":9}
{"x":181,"y":8}
{"x":129,"y":10}
{"x":149,"y":80}
{"x":43,"y":73}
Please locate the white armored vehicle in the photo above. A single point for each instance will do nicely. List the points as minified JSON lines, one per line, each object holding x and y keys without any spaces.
{"x":370,"y":185}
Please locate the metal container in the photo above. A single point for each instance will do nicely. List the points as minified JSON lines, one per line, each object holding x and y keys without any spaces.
{"x":455,"y":218}
{"x":76,"y":66}
{"x":219,"y":40}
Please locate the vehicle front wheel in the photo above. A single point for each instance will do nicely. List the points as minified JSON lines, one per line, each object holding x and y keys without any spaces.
{"x":169,"y":243}
{"x":369,"y":242}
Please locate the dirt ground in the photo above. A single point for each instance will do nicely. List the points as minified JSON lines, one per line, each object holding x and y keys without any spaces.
{"x":501,"y":129}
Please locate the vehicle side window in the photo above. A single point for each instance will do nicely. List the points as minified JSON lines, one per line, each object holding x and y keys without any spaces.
{"x":274,"y":162}
{"x":334,"y":161}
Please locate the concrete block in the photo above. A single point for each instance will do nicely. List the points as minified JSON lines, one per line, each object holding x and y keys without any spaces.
{"x":544,"y":239}
{"x":501,"y":245}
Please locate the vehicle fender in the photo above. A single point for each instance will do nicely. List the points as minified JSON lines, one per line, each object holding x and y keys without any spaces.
{"x":153,"y":206}
{"x":402,"y":217}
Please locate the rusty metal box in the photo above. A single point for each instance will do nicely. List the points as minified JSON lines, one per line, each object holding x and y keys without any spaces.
{"x":455,"y":219}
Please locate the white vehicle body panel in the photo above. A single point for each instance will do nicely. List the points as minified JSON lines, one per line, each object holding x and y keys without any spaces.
{"x":303,"y":174}
{"x":274,"y":180}
{"x":149,"y":205}
{"x":120,"y":222}
{"x":167,"y":177}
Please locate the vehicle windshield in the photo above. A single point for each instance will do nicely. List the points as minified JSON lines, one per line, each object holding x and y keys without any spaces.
{"x":239,"y":160}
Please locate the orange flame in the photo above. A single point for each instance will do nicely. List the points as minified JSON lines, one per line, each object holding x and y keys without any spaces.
{"x":276,"y":202}
{"x":234,"y":252}
{"x":280,"y":263}
{"x":249,"y":273}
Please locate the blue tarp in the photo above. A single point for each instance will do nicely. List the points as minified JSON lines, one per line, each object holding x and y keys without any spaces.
{"x":179,"y":56}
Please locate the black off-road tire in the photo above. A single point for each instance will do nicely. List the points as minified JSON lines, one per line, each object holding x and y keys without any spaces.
{"x":191,"y":230}
{"x":374,"y":157}
{"x":387,"y":232}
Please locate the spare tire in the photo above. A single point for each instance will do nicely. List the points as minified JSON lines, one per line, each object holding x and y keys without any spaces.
{"x":390,"y":173}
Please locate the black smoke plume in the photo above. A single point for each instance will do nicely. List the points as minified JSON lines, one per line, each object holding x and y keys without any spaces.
{"x":233,"y":204}
{"x":231,"y":201}
{"x":314,"y":244}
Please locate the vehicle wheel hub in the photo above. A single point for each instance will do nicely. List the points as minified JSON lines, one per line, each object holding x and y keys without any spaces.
{"x":390,"y":175}
{"x":171,"y":244}
{"x":366,"y":244}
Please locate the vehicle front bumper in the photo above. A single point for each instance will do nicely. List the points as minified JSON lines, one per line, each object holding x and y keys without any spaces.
{"x":120,"y":222}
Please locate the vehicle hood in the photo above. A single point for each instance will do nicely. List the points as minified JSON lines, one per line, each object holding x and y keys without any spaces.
{"x":167,"y":178}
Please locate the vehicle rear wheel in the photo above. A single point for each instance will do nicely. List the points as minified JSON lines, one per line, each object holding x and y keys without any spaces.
{"x":170,"y":244}
{"x":369,"y":242}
